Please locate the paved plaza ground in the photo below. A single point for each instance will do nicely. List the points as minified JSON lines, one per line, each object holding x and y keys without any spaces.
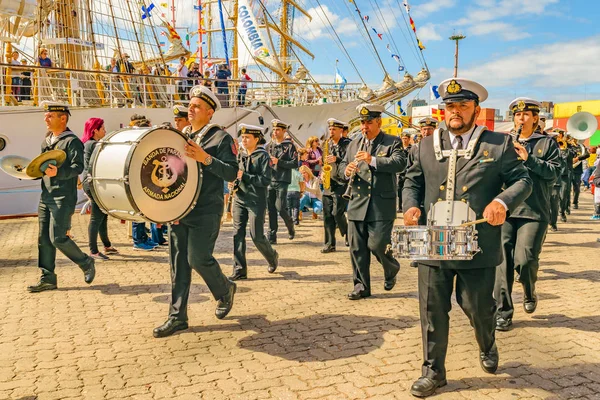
{"x":290,"y":335}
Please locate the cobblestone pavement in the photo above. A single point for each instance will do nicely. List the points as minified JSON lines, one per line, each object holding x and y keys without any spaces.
{"x":290,"y":335}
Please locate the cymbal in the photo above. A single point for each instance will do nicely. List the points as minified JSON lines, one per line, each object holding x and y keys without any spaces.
{"x":38,"y":165}
{"x":15,"y":166}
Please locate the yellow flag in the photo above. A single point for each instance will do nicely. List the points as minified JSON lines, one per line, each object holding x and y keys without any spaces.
{"x":165,"y":5}
{"x":421,"y":46}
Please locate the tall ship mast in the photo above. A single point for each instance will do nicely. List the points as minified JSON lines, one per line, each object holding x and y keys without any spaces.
{"x":113,"y":58}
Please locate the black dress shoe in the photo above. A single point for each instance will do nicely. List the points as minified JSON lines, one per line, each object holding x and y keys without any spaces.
{"x":273,"y":265}
{"x":553,"y":228}
{"x":41,"y":286}
{"x":346,"y":241}
{"x":563,"y":217}
{"x":328,"y":249}
{"x":424,"y":386}
{"x":238,"y":275}
{"x":529,"y":305}
{"x":489,"y":360}
{"x":273,"y":240}
{"x":292,"y":235}
{"x":503,"y":324}
{"x":414,"y":264}
{"x":389,"y":285}
{"x":89,"y":272}
{"x":225,"y":303}
{"x":170,"y":327}
{"x":575,"y":206}
{"x":358,"y":294}
{"x":568,"y":211}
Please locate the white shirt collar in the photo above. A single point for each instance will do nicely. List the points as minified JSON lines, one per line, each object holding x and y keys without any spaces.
{"x":466,"y":137}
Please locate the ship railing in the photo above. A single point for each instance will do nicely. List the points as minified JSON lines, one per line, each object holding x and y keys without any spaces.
{"x":31,"y":85}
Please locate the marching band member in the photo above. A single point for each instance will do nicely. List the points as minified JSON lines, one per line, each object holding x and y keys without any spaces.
{"x":427,"y":126}
{"x":567,"y":174}
{"x":180,"y":117}
{"x":524,"y":231}
{"x":479,"y":181}
{"x":334,"y":205}
{"x":284,"y":158}
{"x":250,"y":201}
{"x":58,"y":200}
{"x":192,"y":240}
{"x":371,"y":164}
{"x":581,"y":154}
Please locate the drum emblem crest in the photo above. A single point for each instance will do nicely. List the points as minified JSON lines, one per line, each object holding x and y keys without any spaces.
{"x":164,"y":174}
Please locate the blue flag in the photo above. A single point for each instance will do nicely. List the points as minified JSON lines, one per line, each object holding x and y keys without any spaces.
{"x":340,"y":80}
{"x":146,"y":11}
{"x":434,"y":93}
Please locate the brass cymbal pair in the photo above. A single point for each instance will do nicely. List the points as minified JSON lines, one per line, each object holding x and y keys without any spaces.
{"x":22,"y":168}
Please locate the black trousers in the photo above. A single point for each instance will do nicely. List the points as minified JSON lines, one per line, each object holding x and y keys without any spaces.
{"x":576,"y":183}
{"x":366,"y":238}
{"x":54,"y":217}
{"x":400,"y":187}
{"x":254,"y":217}
{"x":334,"y":215}
{"x":554,"y":205}
{"x":98,"y":225}
{"x":277,"y":203}
{"x":192,"y":247}
{"x":522,"y":240}
{"x":293,"y":205}
{"x":565,"y":193}
{"x":474,"y":288}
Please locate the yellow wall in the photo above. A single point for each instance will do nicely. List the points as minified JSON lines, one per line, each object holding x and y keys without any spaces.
{"x":566,"y":110}
{"x":390,"y":126}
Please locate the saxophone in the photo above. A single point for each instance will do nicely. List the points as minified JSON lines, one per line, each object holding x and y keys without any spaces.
{"x":326,"y":167}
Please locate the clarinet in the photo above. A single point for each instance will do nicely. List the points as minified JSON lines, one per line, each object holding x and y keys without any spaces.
{"x":236,"y":187}
{"x":348,"y":193}
{"x":518,"y":133}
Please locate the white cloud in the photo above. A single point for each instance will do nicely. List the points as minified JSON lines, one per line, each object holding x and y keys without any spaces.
{"x":319,"y":26}
{"x":507,"y":31}
{"x":430,"y":8}
{"x":428,"y":33}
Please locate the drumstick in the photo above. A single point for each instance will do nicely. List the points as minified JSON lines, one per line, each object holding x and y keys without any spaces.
{"x":479,"y":221}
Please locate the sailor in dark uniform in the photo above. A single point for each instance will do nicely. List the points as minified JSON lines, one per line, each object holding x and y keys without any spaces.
{"x":180,"y":117}
{"x":250,"y":201}
{"x":524,"y":231}
{"x":334,"y":205}
{"x":406,"y":146}
{"x":427,"y":126}
{"x":192,"y":240}
{"x":478,"y":181}
{"x":566,"y":179}
{"x":556,"y":187}
{"x":58,"y":200}
{"x":581,"y":154}
{"x":284,"y":158}
{"x":371,"y":164}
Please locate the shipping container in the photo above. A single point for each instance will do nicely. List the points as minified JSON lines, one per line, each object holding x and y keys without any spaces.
{"x":565,"y":110}
{"x":487,"y":113}
{"x":490,"y":123}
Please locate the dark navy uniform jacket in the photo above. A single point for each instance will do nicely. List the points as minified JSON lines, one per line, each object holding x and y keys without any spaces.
{"x":64,"y":184}
{"x":288,"y":159}
{"x":257,"y":169}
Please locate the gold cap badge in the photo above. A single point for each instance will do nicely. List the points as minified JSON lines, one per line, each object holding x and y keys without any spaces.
{"x":243,"y":130}
{"x":364,"y":111}
{"x":454,"y":87}
{"x":521,"y":105}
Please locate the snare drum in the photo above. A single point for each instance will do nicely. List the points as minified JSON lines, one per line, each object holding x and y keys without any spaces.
{"x":435,"y":242}
{"x":143,"y":174}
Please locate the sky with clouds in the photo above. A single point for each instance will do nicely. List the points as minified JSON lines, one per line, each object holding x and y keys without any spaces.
{"x":545,"y":49}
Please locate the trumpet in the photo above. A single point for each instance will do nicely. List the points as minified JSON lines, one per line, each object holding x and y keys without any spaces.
{"x":348,"y":193}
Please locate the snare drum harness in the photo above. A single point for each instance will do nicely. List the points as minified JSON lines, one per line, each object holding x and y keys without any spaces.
{"x":453,"y":155}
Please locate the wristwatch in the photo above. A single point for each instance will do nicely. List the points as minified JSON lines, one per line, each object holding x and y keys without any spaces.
{"x":208,"y":160}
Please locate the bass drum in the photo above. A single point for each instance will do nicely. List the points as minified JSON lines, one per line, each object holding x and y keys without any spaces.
{"x":143,"y":174}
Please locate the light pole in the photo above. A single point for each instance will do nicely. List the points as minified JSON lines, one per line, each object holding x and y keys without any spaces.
{"x":456,"y":38}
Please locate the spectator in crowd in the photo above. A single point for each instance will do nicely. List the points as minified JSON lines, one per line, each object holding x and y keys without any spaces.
{"x":16,"y":76}
{"x":243,"y":87}
{"x":223,"y":74}
{"x":125,"y":65}
{"x":182,"y":72}
{"x":596,"y":183}
{"x":25,"y":82}
{"x":589,"y":171}
{"x":112,"y":67}
{"x":315,"y":155}
{"x":94,"y":131}
{"x":312,"y":197}
{"x":303,"y":156}
{"x":207,"y":79}
{"x":44,"y":60}
{"x":295,"y":190}
{"x":194,"y":72}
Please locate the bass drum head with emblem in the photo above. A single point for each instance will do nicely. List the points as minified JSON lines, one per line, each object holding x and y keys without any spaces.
{"x":161,"y":184}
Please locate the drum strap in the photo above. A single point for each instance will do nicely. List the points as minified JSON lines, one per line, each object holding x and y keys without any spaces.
{"x":199,"y":135}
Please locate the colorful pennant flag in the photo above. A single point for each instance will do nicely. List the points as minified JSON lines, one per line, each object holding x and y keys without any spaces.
{"x":146,"y":11}
{"x":406,"y":6}
{"x":172,"y":32}
{"x":421,"y":46}
{"x":340,"y":80}
{"x":366,"y":17}
{"x":164,"y":5}
{"x":438,"y":114}
{"x":434,"y":93}
{"x":412,"y":24}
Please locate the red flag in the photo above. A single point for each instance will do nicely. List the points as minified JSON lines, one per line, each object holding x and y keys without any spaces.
{"x":412,"y":24}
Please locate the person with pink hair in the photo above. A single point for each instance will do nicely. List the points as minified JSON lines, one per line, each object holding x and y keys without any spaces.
{"x":94,"y":131}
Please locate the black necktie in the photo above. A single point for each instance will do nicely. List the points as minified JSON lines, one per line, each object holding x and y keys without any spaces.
{"x":459,"y":143}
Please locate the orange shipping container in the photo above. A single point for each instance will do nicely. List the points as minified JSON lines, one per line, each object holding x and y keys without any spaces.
{"x":487,"y":114}
{"x":565,"y":110}
{"x":490,"y":123}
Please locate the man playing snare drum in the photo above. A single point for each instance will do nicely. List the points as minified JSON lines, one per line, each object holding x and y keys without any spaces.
{"x":479,"y":182}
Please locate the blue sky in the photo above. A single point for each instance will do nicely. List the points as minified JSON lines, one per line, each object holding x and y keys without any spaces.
{"x":545,"y":49}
